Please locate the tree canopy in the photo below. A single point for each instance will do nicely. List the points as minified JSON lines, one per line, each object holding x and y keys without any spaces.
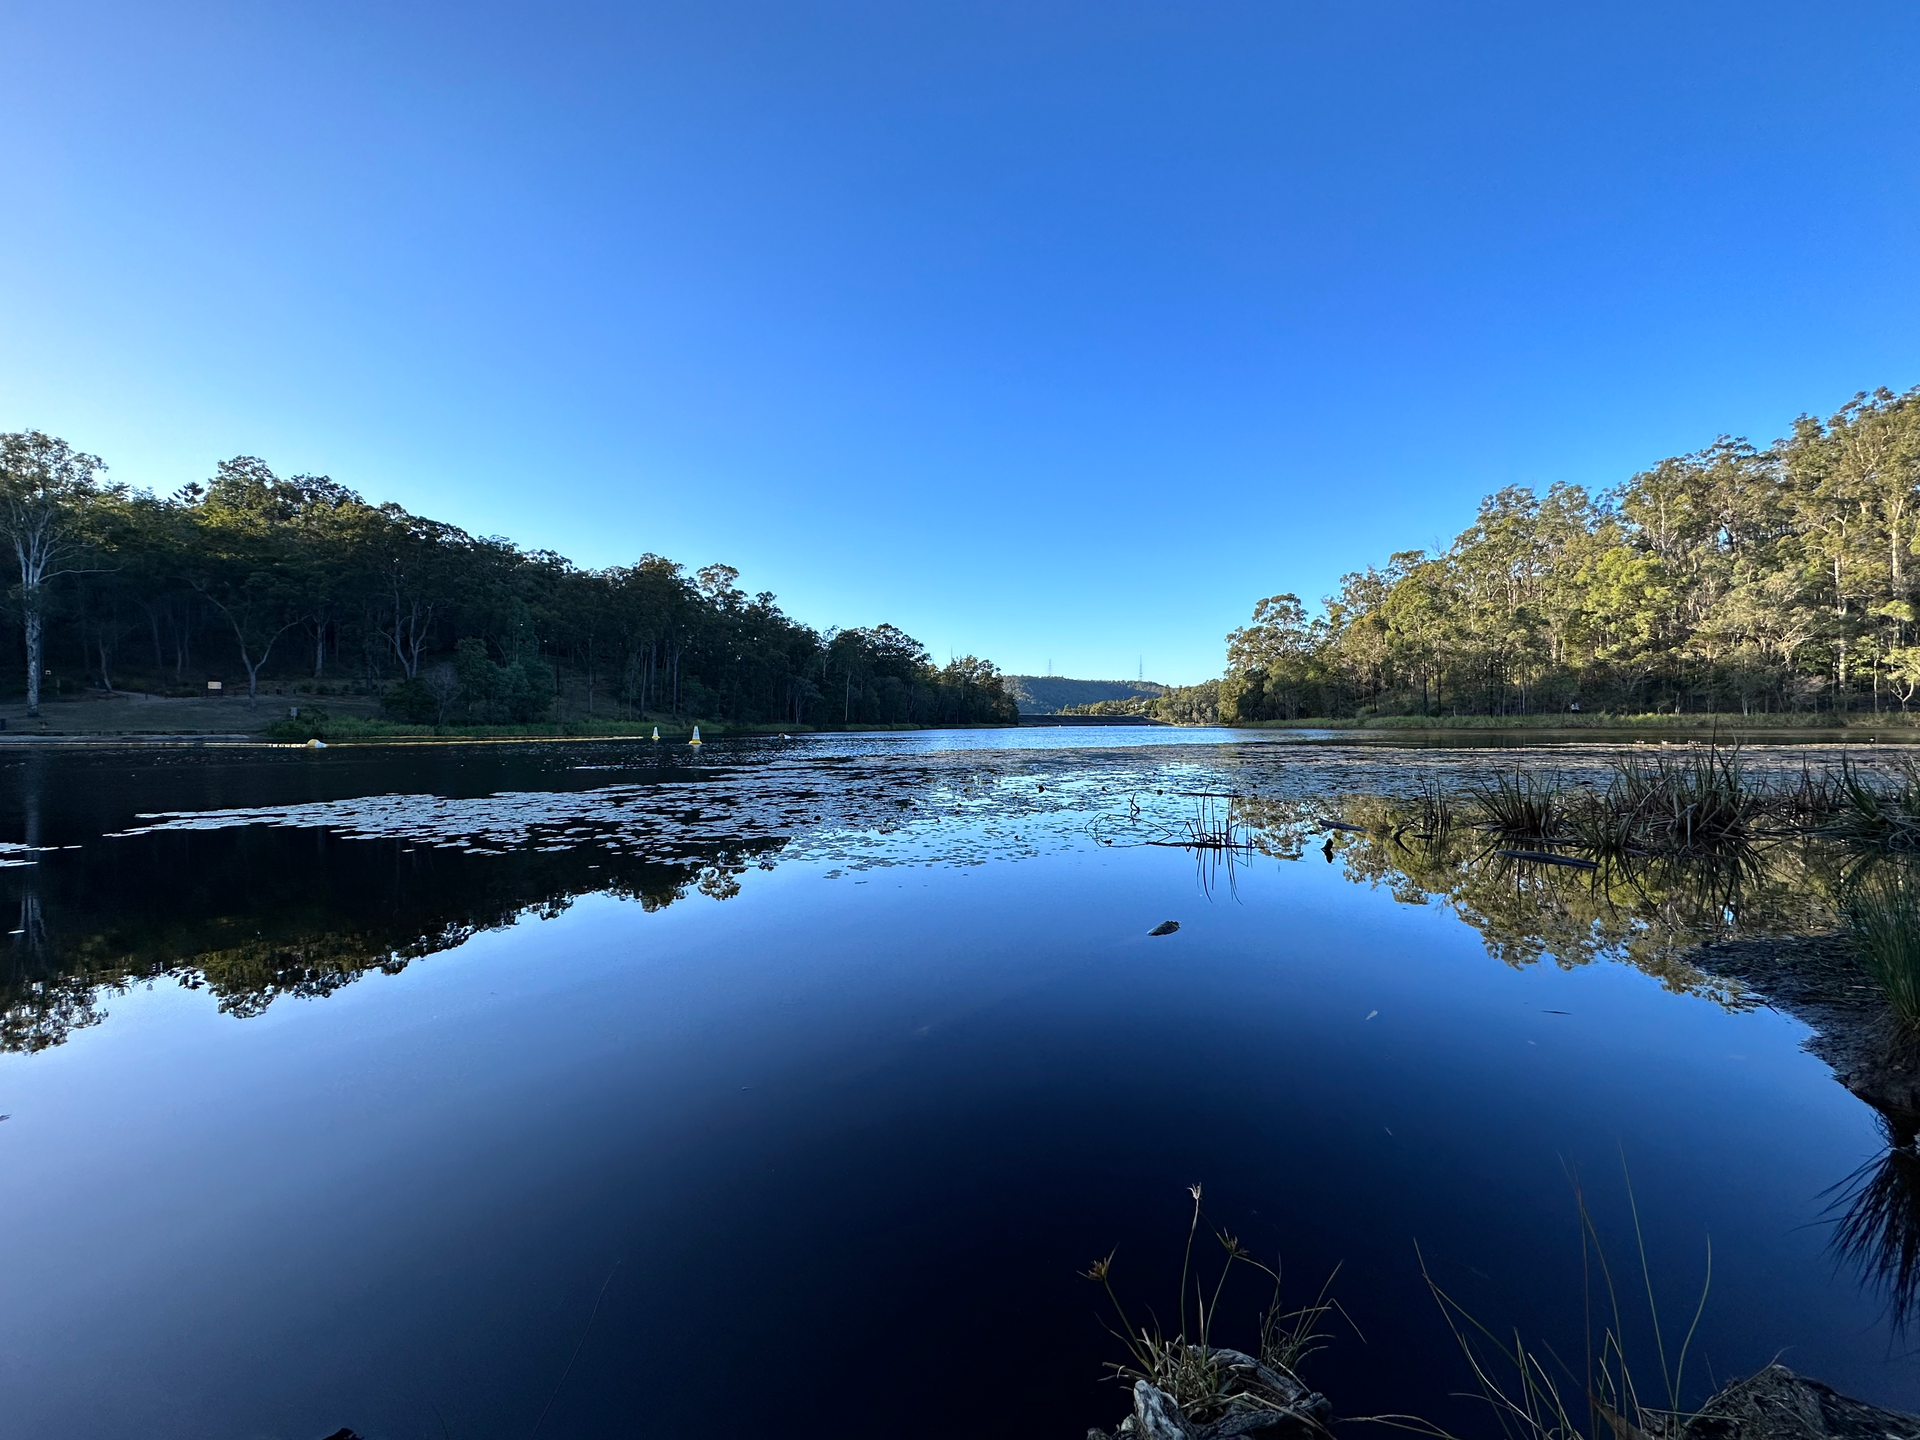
{"x":253,"y":577}
{"x":1734,"y":578}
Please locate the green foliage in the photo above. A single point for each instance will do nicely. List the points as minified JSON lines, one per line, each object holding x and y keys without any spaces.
{"x":411,"y":701}
{"x":266,"y":580}
{"x":1732,"y":580}
{"x":1884,"y":911}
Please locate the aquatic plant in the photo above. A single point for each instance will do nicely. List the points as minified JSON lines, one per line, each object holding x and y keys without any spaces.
{"x":1205,"y":1379}
{"x":1879,"y":811}
{"x":1883,"y":909}
{"x":1434,"y":812}
{"x":1700,"y":800}
{"x":1520,"y":805}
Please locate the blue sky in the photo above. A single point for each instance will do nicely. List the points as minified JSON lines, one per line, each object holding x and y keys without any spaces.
{"x":1047,"y":331}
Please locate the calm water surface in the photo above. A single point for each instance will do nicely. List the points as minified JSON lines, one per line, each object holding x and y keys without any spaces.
{"x":787,"y":1086}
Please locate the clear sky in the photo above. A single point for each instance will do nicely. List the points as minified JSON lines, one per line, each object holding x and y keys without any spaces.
{"x":1047,"y":331}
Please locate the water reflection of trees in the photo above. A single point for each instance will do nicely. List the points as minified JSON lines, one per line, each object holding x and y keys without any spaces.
{"x":255,"y":915}
{"x":1649,"y":913}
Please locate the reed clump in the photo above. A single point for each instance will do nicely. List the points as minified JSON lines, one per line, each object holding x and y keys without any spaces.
{"x":1883,"y":909}
{"x":1878,"y":811}
{"x":1699,"y":803}
{"x":1520,"y":805}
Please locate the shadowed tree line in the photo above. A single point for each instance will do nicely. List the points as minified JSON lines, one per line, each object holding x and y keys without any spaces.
{"x":253,"y":577}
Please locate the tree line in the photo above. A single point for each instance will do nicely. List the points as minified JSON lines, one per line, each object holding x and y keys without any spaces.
{"x":1732,"y":579}
{"x":252,"y":577}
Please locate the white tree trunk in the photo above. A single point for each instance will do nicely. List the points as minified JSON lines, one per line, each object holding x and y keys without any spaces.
{"x":33,"y":657}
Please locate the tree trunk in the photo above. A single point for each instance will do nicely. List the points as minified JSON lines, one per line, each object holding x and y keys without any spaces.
{"x":33,"y":660}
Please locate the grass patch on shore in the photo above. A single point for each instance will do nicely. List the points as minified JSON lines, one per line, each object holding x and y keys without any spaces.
{"x":351,"y":728}
{"x":1654,"y":723}
{"x":1883,"y":909}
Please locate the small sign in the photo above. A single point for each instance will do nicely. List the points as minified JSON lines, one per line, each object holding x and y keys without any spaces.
{"x":213,"y":685}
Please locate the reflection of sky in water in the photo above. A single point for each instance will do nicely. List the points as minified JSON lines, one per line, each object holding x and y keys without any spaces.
{"x":885,"y":1117}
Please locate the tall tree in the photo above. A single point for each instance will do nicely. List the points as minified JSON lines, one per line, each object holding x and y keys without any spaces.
{"x":45,"y":485}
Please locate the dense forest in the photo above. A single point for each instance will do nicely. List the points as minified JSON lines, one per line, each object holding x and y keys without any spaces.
{"x":1736,"y":579}
{"x":1055,"y":694}
{"x":252,"y":578}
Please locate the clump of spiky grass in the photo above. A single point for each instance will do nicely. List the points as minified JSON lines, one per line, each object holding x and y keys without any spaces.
{"x":1697,"y":801}
{"x":1204,"y":1379}
{"x":1882,"y":812}
{"x":1521,"y":806}
{"x":1883,"y":909}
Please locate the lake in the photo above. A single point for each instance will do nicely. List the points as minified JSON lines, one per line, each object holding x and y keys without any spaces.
{"x":788,"y":1086}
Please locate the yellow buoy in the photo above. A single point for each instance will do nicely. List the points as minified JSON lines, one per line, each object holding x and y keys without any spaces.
{"x":656,"y":732}
{"x":696,"y":736}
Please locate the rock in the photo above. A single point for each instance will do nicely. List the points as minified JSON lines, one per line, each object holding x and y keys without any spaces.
{"x":1777,"y":1404}
{"x":1165,"y":927}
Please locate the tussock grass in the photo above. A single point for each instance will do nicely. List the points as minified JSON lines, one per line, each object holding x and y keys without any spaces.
{"x":1520,"y":805}
{"x":1205,"y":1379}
{"x":1883,"y":812}
{"x":1698,"y":800}
{"x":1698,"y":803}
{"x":1883,"y":909}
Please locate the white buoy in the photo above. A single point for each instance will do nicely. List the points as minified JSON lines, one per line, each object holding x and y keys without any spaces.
{"x":656,"y":732}
{"x":696,"y":736}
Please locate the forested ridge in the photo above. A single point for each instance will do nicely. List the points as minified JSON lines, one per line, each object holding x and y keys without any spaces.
{"x":254,"y":578}
{"x":1735,"y":579}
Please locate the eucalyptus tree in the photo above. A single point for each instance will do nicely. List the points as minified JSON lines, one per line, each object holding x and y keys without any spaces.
{"x":46,"y":487}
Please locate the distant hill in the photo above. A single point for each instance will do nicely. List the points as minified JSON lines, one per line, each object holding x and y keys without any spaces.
{"x":1050,"y":694}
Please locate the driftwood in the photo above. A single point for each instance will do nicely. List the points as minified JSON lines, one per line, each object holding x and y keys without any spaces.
{"x":1268,"y":1404}
{"x":1547,"y":857}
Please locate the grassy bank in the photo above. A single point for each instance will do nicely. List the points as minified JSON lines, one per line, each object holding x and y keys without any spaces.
{"x":336,"y":730}
{"x":1664,"y":723}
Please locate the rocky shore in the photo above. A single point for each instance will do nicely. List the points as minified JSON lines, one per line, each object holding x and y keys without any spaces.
{"x":1773,"y":1404}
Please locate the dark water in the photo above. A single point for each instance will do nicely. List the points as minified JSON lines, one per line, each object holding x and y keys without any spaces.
{"x":433,"y":1091}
